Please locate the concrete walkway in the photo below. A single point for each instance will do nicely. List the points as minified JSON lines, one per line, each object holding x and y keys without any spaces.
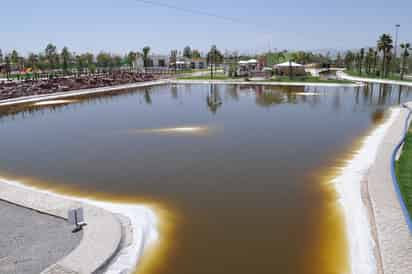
{"x":101,"y":237}
{"x":31,"y":241}
{"x":393,"y":235}
{"x":344,"y":76}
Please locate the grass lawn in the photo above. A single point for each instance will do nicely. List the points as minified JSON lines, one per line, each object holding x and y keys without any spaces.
{"x":217,"y":76}
{"x":308,"y":79}
{"x":403,"y":170}
{"x":395,"y":77}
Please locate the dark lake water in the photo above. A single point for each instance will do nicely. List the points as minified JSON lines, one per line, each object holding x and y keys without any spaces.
{"x":241,"y":170}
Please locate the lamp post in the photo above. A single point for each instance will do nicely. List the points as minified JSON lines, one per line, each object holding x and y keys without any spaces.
{"x":397,"y":26}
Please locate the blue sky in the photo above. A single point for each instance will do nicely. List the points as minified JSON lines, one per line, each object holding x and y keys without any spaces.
{"x":122,"y":25}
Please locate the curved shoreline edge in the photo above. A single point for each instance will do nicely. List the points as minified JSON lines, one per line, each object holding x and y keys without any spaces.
{"x":348,"y":183}
{"x":113,"y":240}
{"x":376,"y":225}
{"x":391,"y":224}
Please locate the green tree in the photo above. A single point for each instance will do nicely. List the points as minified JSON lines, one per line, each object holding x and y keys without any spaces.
{"x":117,"y":61}
{"x":8,"y":66}
{"x":1,"y":57}
{"x":146,"y":51}
{"x":65,"y":57}
{"x":214,"y":56}
{"x":52,"y":57}
{"x":187,"y":52}
{"x":196,"y":53}
{"x":130,"y":59}
{"x":385,"y":45}
{"x":79,"y":64}
{"x":369,"y":60}
{"x":360,"y":60}
{"x":14,"y":57}
{"x":33,"y":61}
{"x":405,"y":54}
{"x":89,"y":60}
{"x":339,"y":61}
{"x":375,"y":60}
{"x":103,"y":59}
{"x":349,"y":59}
{"x":173,"y":59}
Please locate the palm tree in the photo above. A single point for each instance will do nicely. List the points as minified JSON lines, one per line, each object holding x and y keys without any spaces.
{"x":405,"y":54}
{"x":146,"y":51}
{"x":385,"y":44}
{"x":369,"y":60}
{"x":348,"y":59}
{"x":65,"y":55}
{"x":361,"y":57}
{"x":214,"y":56}
{"x":173,"y":59}
{"x":375,"y":60}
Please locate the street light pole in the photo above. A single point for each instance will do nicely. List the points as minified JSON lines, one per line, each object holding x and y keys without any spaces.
{"x":397,"y":26}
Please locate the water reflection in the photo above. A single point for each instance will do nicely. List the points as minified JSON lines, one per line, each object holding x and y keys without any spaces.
{"x":213,"y":99}
{"x":265,"y":96}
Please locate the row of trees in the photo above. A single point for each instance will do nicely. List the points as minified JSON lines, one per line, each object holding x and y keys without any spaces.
{"x":52,"y":59}
{"x":302,"y":57}
{"x":381,"y":60}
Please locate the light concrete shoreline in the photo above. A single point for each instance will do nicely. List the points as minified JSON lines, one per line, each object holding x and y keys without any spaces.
{"x":263,"y":83}
{"x":101,"y":236}
{"x":394,"y":238}
{"x":378,"y":234}
{"x":345,"y":76}
{"x":114,"y":238}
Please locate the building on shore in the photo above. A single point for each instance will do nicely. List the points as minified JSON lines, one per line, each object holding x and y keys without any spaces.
{"x":289,"y":68}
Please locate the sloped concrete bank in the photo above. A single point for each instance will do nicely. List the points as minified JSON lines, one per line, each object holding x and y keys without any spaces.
{"x":345,"y":76}
{"x":393,"y":234}
{"x":262,"y":83}
{"x":101,"y":236}
{"x":114,"y":238}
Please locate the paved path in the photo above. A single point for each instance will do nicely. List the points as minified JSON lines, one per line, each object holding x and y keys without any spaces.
{"x":101,"y":237}
{"x":344,"y":76}
{"x":394,"y":238}
{"x":31,"y":241}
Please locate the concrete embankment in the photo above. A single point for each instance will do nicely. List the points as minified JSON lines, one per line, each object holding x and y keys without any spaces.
{"x":345,"y":76}
{"x":393,"y":235}
{"x":262,"y":83}
{"x":31,"y":241}
{"x":101,"y":236}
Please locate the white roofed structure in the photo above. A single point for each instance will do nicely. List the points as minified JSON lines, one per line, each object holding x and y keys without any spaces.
{"x":289,"y":64}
